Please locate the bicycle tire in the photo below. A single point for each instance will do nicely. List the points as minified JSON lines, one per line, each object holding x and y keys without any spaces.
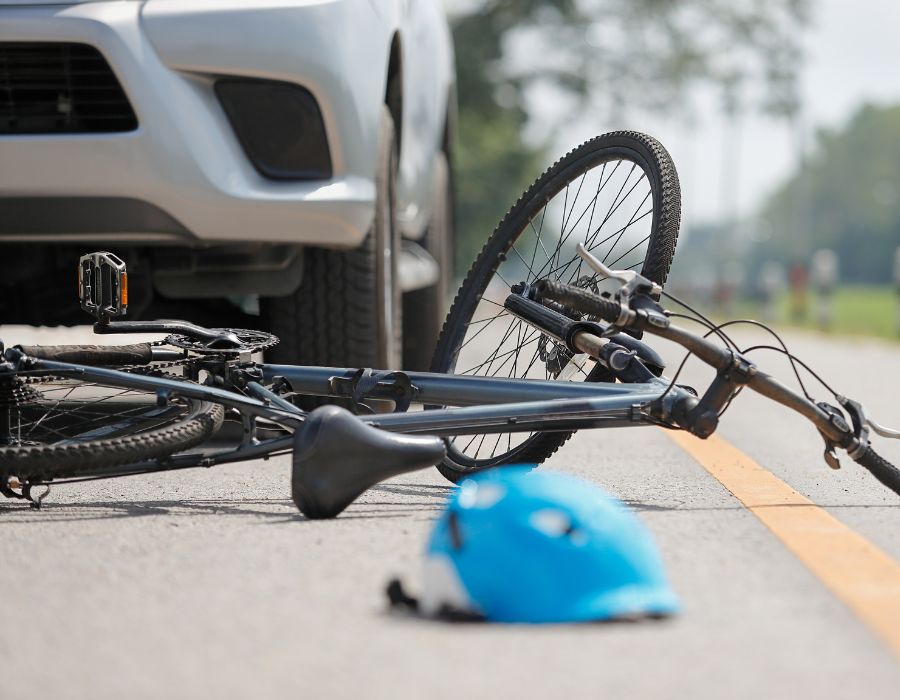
{"x":639,"y":149}
{"x":71,"y":456}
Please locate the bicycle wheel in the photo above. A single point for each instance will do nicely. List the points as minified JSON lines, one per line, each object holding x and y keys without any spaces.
{"x":53,"y":428}
{"x":619,"y":195}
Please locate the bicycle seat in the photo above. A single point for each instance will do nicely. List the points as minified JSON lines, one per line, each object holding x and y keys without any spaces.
{"x":337,"y":457}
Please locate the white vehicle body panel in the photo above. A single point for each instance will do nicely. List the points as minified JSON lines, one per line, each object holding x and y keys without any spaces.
{"x":184,"y":157}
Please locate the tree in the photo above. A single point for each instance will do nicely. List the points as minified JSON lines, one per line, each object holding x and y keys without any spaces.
{"x":607,"y":56}
{"x":846,"y":197}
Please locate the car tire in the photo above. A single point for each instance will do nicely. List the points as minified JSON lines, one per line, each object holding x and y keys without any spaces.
{"x":424,"y":309}
{"x":347,"y":310}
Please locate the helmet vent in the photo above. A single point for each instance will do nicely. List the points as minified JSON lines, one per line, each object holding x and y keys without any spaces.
{"x":484,"y":495}
{"x":456,"y":539}
{"x":556,"y":523}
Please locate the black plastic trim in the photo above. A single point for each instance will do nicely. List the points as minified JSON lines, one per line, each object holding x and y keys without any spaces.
{"x":60,"y":88}
{"x":48,"y":216}
{"x":279,"y":126}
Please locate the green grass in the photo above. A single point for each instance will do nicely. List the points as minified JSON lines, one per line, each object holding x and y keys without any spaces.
{"x":872,"y":311}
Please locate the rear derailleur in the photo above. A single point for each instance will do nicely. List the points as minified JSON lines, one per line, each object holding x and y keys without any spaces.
{"x":11,"y":487}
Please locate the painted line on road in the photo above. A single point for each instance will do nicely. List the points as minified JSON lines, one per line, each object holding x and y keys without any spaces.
{"x":864,"y":577}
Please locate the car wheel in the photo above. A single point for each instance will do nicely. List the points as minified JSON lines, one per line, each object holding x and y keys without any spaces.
{"x":347,"y":310}
{"x":424,"y":309}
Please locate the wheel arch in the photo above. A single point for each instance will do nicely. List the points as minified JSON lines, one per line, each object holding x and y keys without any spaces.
{"x":393,"y":94}
{"x":451,"y":120}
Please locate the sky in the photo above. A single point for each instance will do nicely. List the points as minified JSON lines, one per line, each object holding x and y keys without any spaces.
{"x":726,"y":169}
{"x":852,"y":57}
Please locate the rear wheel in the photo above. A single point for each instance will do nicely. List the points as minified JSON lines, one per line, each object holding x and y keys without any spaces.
{"x":52,"y":428}
{"x":619,"y":195}
{"x":347,"y":310}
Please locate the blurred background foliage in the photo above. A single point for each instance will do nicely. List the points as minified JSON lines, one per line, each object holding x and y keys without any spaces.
{"x":533,"y":73}
{"x":845,"y":197}
{"x":519,"y":57}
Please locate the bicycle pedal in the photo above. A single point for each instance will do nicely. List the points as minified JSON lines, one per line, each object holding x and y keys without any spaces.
{"x":103,"y":285}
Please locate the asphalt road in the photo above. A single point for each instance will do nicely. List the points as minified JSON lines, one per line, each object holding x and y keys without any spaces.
{"x":210,"y":584}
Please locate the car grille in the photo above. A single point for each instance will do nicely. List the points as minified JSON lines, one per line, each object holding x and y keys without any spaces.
{"x":54,"y":88}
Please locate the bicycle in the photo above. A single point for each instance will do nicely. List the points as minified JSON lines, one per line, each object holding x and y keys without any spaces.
{"x":571,"y":356}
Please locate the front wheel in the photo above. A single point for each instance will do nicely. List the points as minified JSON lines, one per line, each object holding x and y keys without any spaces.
{"x":618,"y":194}
{"x":347,"y":310}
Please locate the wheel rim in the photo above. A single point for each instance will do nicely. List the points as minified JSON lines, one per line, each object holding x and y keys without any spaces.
{"x":606,"y":201}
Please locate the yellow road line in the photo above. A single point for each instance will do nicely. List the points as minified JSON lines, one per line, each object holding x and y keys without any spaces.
{"x":865,"y":578}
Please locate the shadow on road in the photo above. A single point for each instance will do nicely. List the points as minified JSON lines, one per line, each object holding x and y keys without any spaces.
{"x":412,"y":499}
{"x":103,"y":510}
{"x":415,"y":499}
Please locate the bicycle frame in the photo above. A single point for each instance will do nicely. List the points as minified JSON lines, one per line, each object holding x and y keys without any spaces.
{"x":496,"y":404}
{"x":485,"y":404}
{"x":482,"y":405}
{"x":464,"y":405}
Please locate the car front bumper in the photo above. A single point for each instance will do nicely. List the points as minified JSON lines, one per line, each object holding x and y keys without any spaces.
{"x":184,"y":161}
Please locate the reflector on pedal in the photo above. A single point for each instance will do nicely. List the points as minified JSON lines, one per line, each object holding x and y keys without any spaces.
{"x":102,"y":285}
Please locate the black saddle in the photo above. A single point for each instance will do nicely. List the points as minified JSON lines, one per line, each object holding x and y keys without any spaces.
{"x":337,"y":457}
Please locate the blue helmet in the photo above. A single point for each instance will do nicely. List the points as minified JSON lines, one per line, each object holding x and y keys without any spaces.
{"x":516,"y":546}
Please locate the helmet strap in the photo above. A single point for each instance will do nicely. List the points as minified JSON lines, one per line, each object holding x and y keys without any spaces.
{"x":399,"y":599}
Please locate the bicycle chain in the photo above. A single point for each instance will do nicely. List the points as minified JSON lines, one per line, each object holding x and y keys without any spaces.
{"x":159,"y":366}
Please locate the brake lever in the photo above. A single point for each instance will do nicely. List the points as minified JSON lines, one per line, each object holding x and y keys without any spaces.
{"x":881,"y":430}
{"x":632,"y":281}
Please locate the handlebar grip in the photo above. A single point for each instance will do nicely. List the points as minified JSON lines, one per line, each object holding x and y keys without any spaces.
{"x":96,"y":355}
{"x":579,"y":299}
{"x":881,"y":469}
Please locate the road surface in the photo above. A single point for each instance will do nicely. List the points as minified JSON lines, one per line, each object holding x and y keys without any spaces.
{"x":210,"y":584}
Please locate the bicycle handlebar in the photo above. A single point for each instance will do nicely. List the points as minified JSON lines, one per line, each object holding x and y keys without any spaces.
{"x":580,"y":300}
{"x":731,"y":365}
{"x":880,"y":468}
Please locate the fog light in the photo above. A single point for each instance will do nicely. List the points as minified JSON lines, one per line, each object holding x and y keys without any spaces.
{"x":279,"y":126}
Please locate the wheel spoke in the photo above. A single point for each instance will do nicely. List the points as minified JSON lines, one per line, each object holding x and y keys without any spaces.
{"x":75,"y":413}
{"x":483,"y":328}
{"x":618,"y":234}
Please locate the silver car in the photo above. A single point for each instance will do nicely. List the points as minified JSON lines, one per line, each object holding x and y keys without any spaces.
{"x":290,"y":156}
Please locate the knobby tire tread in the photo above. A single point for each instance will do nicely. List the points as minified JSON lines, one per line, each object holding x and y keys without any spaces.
{"x":59,"y":461}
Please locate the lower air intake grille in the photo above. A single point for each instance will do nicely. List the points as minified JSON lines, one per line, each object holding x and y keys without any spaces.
{"x":54,"y":88}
